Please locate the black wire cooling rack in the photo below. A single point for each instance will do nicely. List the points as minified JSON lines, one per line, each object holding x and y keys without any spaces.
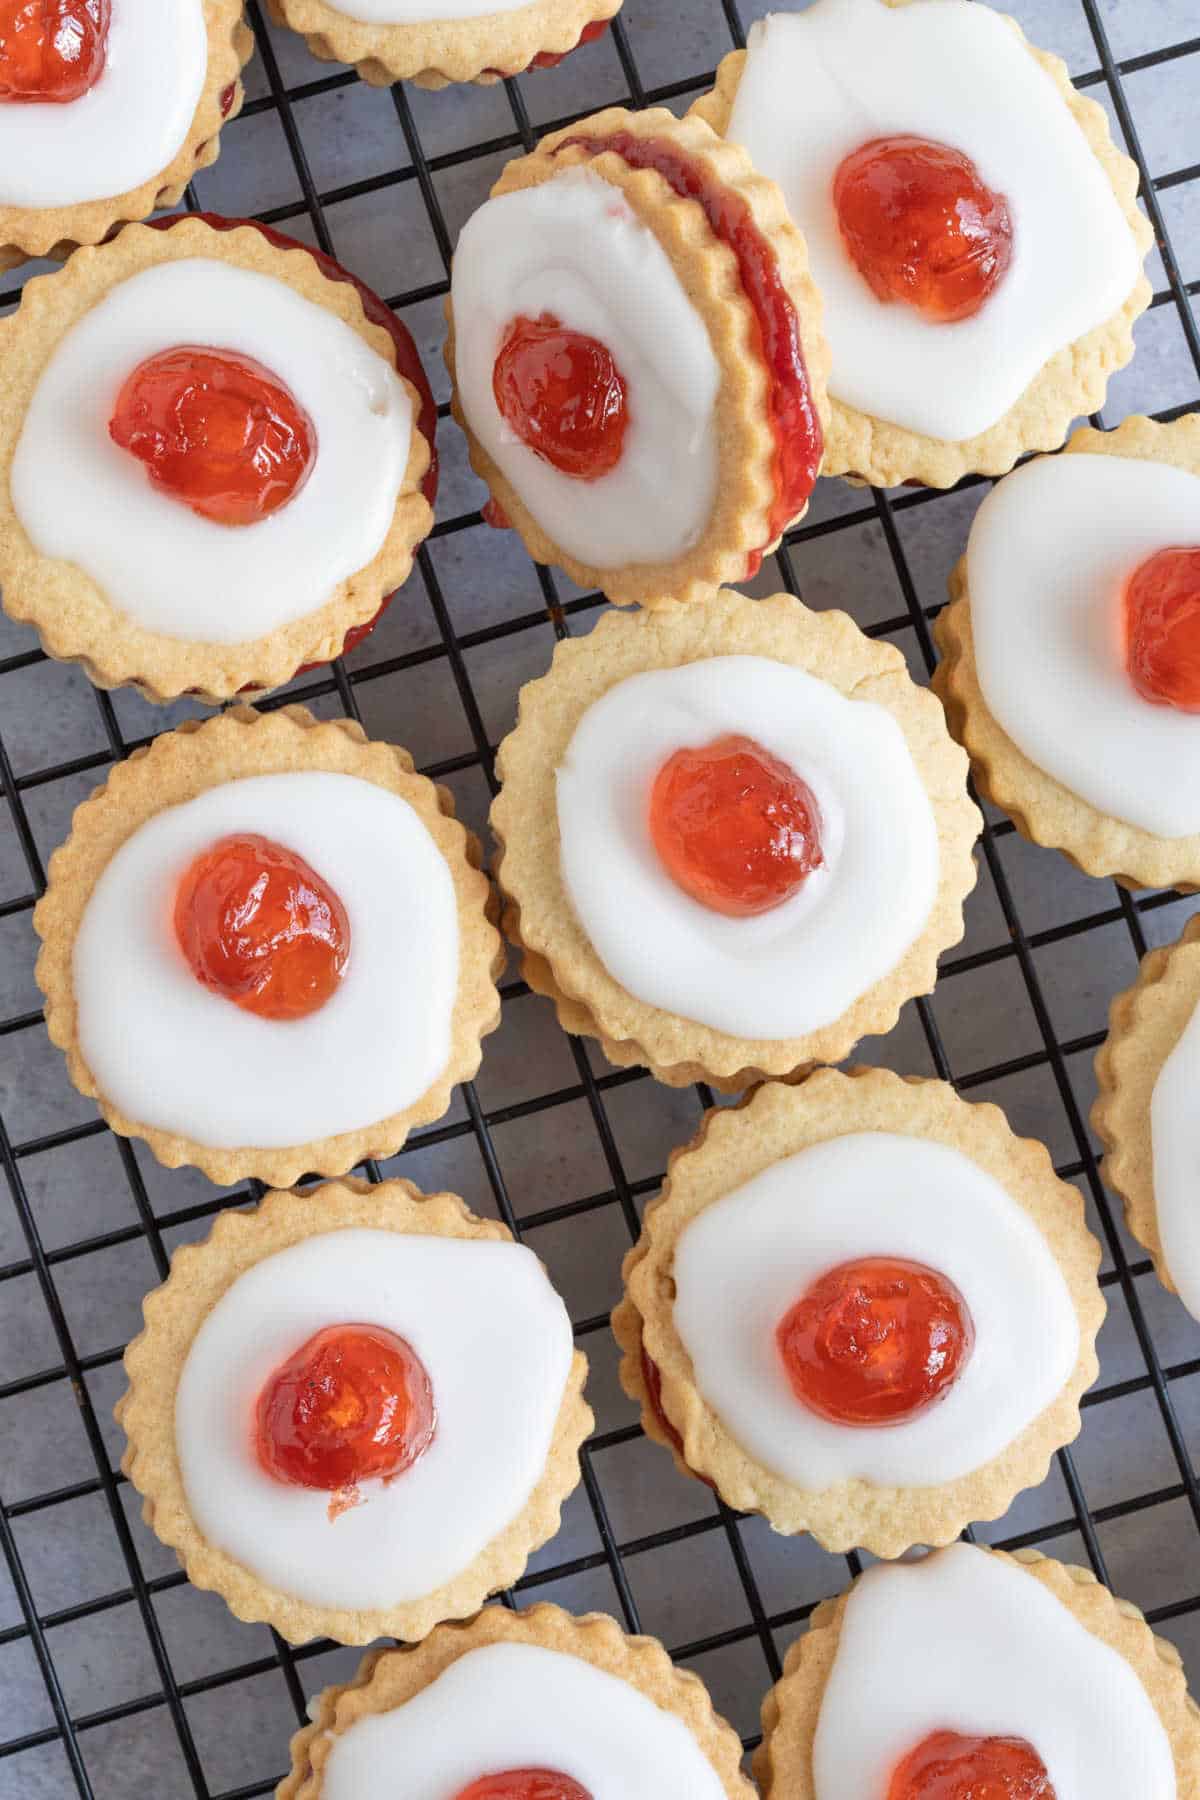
{"x":51,"y":1732}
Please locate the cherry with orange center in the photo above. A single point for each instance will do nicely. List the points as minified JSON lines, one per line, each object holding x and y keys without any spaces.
{"x":922,"y":226}
{"x":1162,"y":628}
{"x":561,"y":394}
{"x":524,"y":1784}
{"x":260,"y":927}
{"x":875,"y":1341}
{"x":217,"y":431}
{"x":734,"y":826}
{"x":353,"y":1404}
{"x":948,"y":1766}
{"x":52,"y":51}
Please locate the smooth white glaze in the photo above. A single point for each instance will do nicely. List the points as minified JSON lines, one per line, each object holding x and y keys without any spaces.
{"x":419,"y":12}
{"x":496,"y":1343}
{"x":1049,"y":554}
{"x":172,"y":1053}
{"x":961,"y":1641}
{"x":820,"y":83}
{"x":84,"y":500}
{"x":573,"y":247}
{"x":127,"y":129}
{"x":742,"y":1263}
{"x":1175,"y":1141}
{"x":802,"y":965}
{"x":514,"y":1706}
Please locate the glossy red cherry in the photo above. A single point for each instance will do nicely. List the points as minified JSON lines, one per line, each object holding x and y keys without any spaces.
{"x":562,"y":395}
{"x":1162,"y":628}
{"x":875,"y":1341}
{"x":52,"y":51}
{"x":524,"y":1784}
{"x":354,"y":1402}
{"x":734,"y":827}
{"x":948,"y":1766}
{"x":217,"y":431}
{"x":261,"y":928}
{"x":922,"y":226}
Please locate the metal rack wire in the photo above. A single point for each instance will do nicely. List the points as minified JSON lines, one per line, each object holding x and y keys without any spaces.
{"x":757,"y":1621}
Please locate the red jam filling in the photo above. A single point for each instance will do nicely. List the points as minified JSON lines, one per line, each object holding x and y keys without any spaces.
{"x":734,"y":827}
{"x":550,"y":59}
{"x":948,"y":1766}
{"x":217,"y":431}
{"x":261,"y":928}
{"x":52,"y":51}
{"x":652,"y":1377}
{"x":1162,"y":628}
{"x":799,"y":442}
{"x":562,"y":395}
{"x":408,"y":363}
{"x":875,"y":1342}
{"x":524,"y":1784}
{"x":353,"y":1403}
{"x":922,"y":226}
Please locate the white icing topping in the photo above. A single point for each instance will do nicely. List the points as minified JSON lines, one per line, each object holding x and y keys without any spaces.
{"x":1175,"y":1138}
{"x":573,"y":247}
{"x":417,"y":12}
{"x":802,"y":965}
{"x":819,"y":84}
{"x":742,"y":1263}
{"x":84,"y":500}
{"x":496,"y":1343}
{"x":513,"y":1706}
{"x":1050,"y":551}
{"x":127,"y":129}
{"x":961,"y":1641}
{"x":170,"y":1052}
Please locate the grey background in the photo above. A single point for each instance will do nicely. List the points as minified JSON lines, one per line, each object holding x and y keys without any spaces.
{"x":169,"y":1695}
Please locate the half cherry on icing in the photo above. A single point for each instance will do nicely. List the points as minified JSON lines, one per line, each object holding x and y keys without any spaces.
{"x":795,"y":425}
{"x":52,"y":51}
{"x":922,"y":226}
{"x":217,"y":431}
{"x":354,"y":1403}
{"x":734,"y":826}
{"x":560,"y":392}
{"x":261,"y":928}
{"x":1162,"y":628}
{"x":404,"y":350}
{"x":948,"y":1766}
{"x":875,"y":1341}
{"x":524,"y":1784}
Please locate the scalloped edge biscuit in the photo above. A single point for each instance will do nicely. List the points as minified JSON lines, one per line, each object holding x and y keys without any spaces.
{"x":154,"y":1360}
{"x":175,"y":768}
{"x":387,"y":1679}
{"x":74,"y":618}
{"x":557,"y":957}
{"x":1146,"y":1022}
{"x":707,"y":269}
{"x":1071,"y":383}
{"x":783,"y":1761}
{"x":57,"y":230}
{"x":438,"y":53}
{"x":730,"y":1149}
{"x":1041,"y":807}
